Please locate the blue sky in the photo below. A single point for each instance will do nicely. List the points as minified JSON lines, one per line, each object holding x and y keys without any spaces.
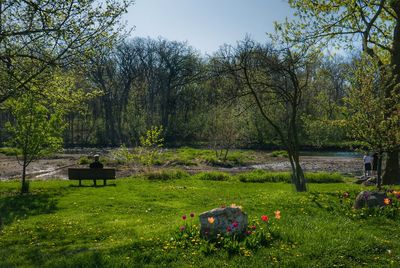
{"x":206,"y":24}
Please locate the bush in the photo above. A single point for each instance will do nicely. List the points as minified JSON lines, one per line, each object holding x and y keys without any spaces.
{"x":84,"y":160}
{"x":165,"y":175}
{"x":213,"y":176}
{"x":122,"y":155}
{"x":237,"y":159}
{"x":281,"y":153}
{"x":265,"y":176}
{"x":10,"y":151}
{"x":260,"y":176}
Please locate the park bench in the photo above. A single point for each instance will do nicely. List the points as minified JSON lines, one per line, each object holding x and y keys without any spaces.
{"x":91,"y":174}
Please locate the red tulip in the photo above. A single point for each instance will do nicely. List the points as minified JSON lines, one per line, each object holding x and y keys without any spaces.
{"x":264,"y":218}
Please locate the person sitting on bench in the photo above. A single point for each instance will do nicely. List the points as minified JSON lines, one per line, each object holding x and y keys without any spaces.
{"x":96,"y":163}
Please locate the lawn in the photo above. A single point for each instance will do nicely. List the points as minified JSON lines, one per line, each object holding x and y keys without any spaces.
{"x":132,"y":223}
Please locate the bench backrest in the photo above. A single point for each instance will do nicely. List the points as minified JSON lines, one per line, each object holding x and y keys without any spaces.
{"x":91,"y":173}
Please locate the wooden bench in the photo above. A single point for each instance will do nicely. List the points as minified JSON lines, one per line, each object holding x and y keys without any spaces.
{"x":91,"y":174}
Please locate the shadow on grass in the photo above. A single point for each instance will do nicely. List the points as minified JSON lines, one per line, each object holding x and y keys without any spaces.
{"x":16,"y":206}
{"x":138,"y":254}
{"x":92,"y":186}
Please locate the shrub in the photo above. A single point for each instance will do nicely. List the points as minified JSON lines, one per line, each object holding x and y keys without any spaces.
{"x":10,"y":151}
{"x":265,"y":176}
{"x":280,"y":153}
{"x":122,"y":155}
{"x":84,"y":160}
{"x":165,"y":175}
{"x":213,"y":176}
{"x":261,"y":176}
{"x":236,"y":158}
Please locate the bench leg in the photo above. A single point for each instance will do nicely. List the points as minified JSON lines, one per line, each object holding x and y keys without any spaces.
{"x":80,"y":183}
{"x":104,"y":182}
{"x":94,"y":181}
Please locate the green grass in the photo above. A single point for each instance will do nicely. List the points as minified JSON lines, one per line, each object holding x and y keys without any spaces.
{"x":130,"y":224}
{"x":260,"y":176}
{"x":166,"y":174}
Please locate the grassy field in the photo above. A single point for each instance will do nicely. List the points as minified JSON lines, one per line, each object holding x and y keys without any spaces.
{"x":132,"y":224}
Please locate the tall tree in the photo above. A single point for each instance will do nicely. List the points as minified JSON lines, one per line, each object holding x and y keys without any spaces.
{"x":275,"y":80}
{"x":373,"y":23}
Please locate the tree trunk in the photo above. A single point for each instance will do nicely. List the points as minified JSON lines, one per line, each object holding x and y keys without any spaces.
{"x":298,"y":178}
{"x":24,"y":186}
{"x":379,"y":170}
{"x":392,"y":170}
{"x":391,"y":174}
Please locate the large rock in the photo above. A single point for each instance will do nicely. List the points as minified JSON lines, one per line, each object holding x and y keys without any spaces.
{"x":225,"y":220}
{"x":370,"y":199}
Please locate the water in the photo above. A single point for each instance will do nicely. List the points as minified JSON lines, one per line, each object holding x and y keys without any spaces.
{"x":333,"y":154}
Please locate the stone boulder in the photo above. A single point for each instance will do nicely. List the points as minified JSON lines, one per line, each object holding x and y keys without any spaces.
{"x":225,"y":220}
{"x":370,"y":199}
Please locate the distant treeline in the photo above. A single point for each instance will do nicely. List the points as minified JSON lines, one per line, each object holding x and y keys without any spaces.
{"x":141,"y":83}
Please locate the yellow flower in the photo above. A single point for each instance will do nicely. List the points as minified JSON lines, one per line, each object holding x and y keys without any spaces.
{"x":235,"y":206}
{"x":386,"y":201}
{"x":277,"y":215}
{"x":211,"y":220}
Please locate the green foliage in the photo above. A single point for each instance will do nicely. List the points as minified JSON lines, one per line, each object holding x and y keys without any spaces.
{"x":84,"y":160}
{"x":265,"y":176}
{"x":122,"y":155}
{"x":166,"y":175}
{"x":213,"y":176}
{"x":322,"y":132}
{"x":10,"y":151}
{"x":36,"y":129}
{"x":233,"y":159}
{"x":370,"y":110}
{"x":261,"y":176}
{"x":280,"y":153}
{"x":41,"y":35}
{"x":150,"y":144}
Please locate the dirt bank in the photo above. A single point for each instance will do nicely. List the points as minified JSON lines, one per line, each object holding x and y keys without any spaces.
{"x":56,"y":167}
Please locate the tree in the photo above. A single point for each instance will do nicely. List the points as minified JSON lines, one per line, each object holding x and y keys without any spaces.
{"x":224,"y":131}
{"x":367,"y":114}
{"x":151,"y":143}
{"x":36,"y":130}
{"x":275,"y":80}
{"x":51,"y":33}
{"x":375,"y":24}
{"x":37,"y":122}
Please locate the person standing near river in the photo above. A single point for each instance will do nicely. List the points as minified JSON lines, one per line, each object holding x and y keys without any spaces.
{"x":367,"y":165}
{"x":375,"y":164}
